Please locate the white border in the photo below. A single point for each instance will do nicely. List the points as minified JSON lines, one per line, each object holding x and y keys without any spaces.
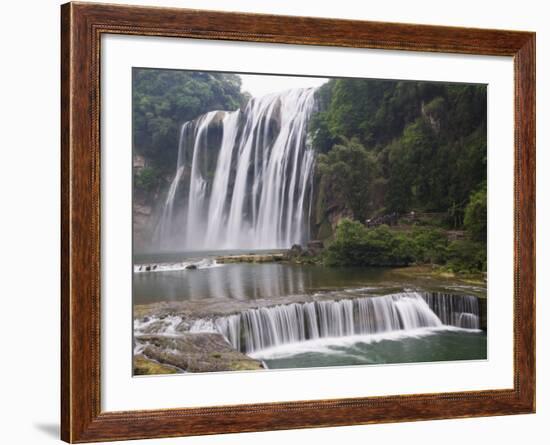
{"x":122,"y":392}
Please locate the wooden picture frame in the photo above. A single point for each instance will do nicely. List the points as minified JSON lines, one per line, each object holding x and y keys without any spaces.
{"x":82,"y":25}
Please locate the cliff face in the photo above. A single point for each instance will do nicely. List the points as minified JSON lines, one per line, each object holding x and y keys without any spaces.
{"x":145,"y":207}
{"x":327,"y":209}
{"x":143,"y":222}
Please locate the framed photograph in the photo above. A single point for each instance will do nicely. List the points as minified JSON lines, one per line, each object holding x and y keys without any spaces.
{"x":275,"y":222}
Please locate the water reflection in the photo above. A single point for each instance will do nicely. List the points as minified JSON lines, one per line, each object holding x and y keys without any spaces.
{"x":246,"y":281}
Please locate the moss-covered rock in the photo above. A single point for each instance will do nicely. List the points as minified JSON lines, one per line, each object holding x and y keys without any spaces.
{"x":144,"y":366}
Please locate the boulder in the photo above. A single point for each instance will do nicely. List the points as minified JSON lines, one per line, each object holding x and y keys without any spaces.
{"x":197,"y":352}
{"x":315,"y":247}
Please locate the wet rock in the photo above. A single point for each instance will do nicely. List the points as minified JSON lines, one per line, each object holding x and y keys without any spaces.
{"x":294,"y":252}
{"x":197,"y":352}
{"x":191,"y":267}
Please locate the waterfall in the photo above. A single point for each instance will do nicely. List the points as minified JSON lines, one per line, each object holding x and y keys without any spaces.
{"x":257,"y":329}
{"x":198,"y":184}
{"x":163,"y":228}
{"x":218,"y":200}
{"x":243,"y":179}
{"x":455,"y":310}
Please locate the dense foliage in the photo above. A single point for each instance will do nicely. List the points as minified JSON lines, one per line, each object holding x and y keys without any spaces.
{"x":428,"y":140}
{"x":396,"y":147}
{"x":350,"y":168}
{"x":356,"y":245}
{"x":163,"y":100}
{"x":475,"y":217}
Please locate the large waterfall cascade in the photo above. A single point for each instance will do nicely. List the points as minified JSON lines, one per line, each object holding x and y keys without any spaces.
{"x":243,"y":179}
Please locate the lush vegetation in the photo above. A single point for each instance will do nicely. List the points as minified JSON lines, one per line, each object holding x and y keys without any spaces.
{"x":162,"y":101}
{"x":350,"y":169}
{"x":428,"y":140}
{"x":356,"y":245}
{"x":475,"y":215}
{"x":395,"y":147}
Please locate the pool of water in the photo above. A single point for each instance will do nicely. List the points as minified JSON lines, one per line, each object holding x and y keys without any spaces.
{"x":245,"y":281}
{"x":423,"y":346}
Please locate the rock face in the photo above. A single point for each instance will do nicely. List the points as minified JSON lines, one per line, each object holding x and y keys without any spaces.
{"x":197,"y":352}
{"x":315,"y":245}
{"x":142,"y":222}
{"x":328,"y":209}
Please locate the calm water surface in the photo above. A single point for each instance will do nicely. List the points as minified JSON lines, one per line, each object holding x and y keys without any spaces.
{"x":266,"y":280}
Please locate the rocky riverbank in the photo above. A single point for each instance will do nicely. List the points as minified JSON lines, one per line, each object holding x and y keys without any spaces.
{"x":252,"y":258}
{"x":194,"y":352}
{"x":310,"y":254}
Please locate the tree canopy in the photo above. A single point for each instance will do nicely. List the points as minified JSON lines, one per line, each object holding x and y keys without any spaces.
{"x":427,"y":141}
{"x":164,"y":99}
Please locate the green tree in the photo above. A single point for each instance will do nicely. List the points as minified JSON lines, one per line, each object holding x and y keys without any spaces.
{"x":350,"y":170}
{"x":355,"y":245}
{"x":475,"y":216}
{"x":147,"y":179}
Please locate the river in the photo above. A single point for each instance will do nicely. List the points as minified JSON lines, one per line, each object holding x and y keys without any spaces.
{"x":280,"y":332}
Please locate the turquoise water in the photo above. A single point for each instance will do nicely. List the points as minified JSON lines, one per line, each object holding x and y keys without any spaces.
{"x":433,"y":347}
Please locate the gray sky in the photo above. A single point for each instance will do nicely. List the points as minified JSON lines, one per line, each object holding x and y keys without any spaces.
{"x":259,"y":84}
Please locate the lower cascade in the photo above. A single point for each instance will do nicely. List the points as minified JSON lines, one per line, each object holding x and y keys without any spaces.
{"x":257,"y":329}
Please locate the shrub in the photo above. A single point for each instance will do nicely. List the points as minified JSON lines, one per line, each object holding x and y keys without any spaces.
{"x":146,"y":179}
{"x":355,"y":245}
{"x":467,"y":256}
{"x":430,"y":245}
{"x":475,"y":216}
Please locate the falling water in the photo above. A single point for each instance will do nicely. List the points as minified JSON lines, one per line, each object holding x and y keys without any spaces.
{"x":455,"y":310}
{"x":257,"y":329}
{"x":163,"y":228}
{"x":248,"y":187}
